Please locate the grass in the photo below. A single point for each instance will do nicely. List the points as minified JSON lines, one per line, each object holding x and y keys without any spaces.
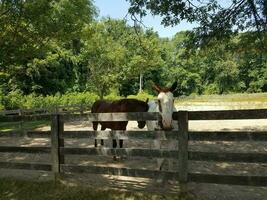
{"x":26,"y":190}
{"x":14,"y":126}
{"x":229,"y":101}
{"x":256,"y":97}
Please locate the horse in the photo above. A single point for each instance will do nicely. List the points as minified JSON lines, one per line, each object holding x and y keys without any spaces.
{"x":123,"y":105}
{"x":165,"y":106}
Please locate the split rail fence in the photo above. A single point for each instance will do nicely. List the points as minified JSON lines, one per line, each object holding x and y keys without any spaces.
{"x":183,"y":154}
{"x":67,"y":109}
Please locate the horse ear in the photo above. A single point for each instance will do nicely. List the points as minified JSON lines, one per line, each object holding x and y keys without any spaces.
{"x":157,"y":88}
{"x":173,"y":87}
{"x":147,"y":100}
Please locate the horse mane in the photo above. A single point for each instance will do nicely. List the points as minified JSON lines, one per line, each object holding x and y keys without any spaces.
{"x":130,"y":101}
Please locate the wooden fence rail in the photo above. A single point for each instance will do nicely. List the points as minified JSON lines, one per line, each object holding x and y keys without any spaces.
{"x":81,"y":108}
{"x":193,"y":135}
{"x":184,"y":155}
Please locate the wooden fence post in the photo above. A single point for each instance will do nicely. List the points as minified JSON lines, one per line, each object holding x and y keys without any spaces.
{"x":57,"y":128}
{"x":183,"y":149}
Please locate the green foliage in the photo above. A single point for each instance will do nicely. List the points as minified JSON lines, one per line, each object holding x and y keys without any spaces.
{"x":15,"y":100}
{"x":236,"y":65}
{"x":1,"y":99}
{"x":105,"y":57}
{"x":188,"y":82}
{"x":55,"y":53}
{"x":76,"y":98}
{"x":116,"y":54}
{"x":37,"y":42}
{"x":216,"y":19}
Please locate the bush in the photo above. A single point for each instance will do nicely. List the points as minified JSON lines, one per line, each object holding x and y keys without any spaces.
{"x":112,"y":96}
{"x":33,"y":101}
{"x":1,"y":100}
{"x":76,"y":98}
{"x":15,"y":100}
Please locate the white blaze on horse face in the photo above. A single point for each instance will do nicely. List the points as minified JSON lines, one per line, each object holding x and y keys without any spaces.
{"x":166,"y":103}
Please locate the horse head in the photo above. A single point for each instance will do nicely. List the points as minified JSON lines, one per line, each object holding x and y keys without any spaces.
{"x":165,"y":105}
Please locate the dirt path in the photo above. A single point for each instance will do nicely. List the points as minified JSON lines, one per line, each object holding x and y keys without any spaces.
{"x":203,"y":191}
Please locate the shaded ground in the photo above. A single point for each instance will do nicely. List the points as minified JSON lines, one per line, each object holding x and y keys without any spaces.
{"x":26,"y":190}
{"x":203,"y":191}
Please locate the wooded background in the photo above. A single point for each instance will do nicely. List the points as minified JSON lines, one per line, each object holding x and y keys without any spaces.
{"x":55,"y":48}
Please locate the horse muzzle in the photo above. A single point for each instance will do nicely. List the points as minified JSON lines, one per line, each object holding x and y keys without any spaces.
{"x":166,"y":128}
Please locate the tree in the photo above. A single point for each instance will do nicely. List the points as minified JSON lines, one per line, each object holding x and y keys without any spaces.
{"x":116,"y":55}
{"x":37,"y":40}
{"x":214,"y":18}
{"x":105,"y":56}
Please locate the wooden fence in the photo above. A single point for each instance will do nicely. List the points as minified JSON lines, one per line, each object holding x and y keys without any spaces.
{"x":79,"y":108}
{"x":184,"y":156}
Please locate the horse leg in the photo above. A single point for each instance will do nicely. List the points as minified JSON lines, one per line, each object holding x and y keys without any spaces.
{"x":160,"y":161}
{"x":114,"y":143}
{"x":95,"y":142}
{"x":95,"y":128}
{"x":121,"y":143}
{"x":102,"y":141}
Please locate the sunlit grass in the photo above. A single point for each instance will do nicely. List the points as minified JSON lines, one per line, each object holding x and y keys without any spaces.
{"x":229,"y":101}
{"x":26,"y":190}
{"x":256,"y":97}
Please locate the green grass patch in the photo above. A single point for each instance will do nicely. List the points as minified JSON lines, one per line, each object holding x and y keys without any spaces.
{"x":257,"y":97}
{"x":25,"y":190}
{"x":229,"y":101}
{"x":14,"y":126}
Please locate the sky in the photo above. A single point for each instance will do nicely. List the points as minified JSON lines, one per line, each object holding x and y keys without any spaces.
{"x":118,"y":9}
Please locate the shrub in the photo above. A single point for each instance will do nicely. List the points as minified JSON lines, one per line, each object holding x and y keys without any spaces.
{"x":13,"y":100}
{"x":112,"y":96}
{"x":75,"y":98}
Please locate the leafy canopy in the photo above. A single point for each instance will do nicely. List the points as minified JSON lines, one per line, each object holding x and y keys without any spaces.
{"x":215,"y":18}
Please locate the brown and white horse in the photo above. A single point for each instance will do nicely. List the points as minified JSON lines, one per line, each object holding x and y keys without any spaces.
{"x":165,"y":106}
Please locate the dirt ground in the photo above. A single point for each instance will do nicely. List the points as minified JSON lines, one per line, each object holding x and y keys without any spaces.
{"x":202,"y":191}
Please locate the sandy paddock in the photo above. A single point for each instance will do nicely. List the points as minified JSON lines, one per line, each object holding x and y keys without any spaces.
{"x":204,"y":191}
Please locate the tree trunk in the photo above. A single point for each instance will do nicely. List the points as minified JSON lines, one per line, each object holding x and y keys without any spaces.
{"x":141,"y":83}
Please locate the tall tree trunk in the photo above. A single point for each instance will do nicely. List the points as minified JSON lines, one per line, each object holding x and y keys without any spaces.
{"x":140,"y":83}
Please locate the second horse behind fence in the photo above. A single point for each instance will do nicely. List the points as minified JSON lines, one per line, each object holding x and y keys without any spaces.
{"x":123,"y":105}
